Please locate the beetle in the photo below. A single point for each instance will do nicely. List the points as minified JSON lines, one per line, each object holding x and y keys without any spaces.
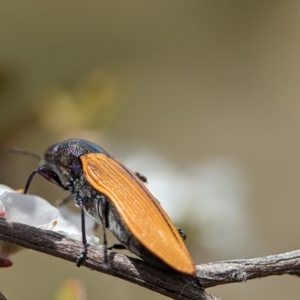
{"x":116,"y":197}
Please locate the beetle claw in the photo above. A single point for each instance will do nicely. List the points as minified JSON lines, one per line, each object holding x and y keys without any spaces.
{"x":141,"y":177}
{"x":81,"y":257}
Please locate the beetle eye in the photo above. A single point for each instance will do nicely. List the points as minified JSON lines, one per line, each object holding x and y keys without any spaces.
{"x":76,"y":169}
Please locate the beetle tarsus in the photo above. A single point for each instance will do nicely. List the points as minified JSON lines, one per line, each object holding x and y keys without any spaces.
{"x":182,"y":233}
{"x":82,"y":256}
{"x":141,"y":177}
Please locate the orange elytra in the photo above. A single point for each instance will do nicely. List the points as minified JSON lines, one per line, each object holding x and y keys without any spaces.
{"x":117,"y":198}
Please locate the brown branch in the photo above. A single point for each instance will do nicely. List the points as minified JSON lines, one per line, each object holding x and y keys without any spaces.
{"x":174,"y":284}
{"x":241,"y":270}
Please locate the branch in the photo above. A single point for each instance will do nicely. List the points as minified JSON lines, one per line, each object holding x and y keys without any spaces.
{"x":241,"y":270}
{"x":174,"y":285}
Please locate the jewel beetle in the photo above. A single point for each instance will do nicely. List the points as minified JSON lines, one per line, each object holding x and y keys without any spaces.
{"x":116,"y":197}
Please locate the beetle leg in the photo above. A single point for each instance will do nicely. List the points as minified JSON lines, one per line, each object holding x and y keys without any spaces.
{"x":182,"y":233}
{"x":83,"y":252}
{"x":47,"y":174}
{"x":104,"y":221}
{"x":141,"y":177}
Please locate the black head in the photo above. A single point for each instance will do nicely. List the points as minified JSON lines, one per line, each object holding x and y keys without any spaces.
{"x":63,"y":158}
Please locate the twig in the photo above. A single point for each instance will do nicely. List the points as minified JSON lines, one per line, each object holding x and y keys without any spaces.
{"x":241,"y":270}
{"x":174,"y":284}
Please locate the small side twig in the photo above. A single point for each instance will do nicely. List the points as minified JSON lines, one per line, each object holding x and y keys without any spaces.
{"x":241,"y":270}
{"x":174,"y":285}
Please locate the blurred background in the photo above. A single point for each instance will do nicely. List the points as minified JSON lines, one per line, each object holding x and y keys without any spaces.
{"x":202,"y":97}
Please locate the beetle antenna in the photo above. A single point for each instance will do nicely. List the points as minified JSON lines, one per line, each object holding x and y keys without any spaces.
{"x":25,"y":152}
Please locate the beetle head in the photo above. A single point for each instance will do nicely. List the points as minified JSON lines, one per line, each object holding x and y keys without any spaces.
{"x":63,"y":158}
